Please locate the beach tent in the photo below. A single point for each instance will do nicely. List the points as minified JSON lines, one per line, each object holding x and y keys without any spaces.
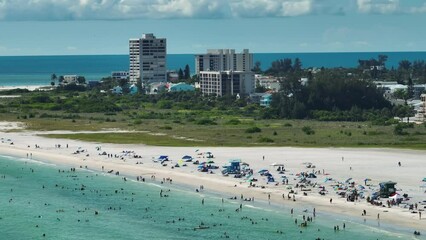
{"x":235,"y":160}
{"x":396,"y":197}
{"x":162,"y":159}
{"x":311,"y":175}
{"x":187,"y":158}
{"x":387,"y":188}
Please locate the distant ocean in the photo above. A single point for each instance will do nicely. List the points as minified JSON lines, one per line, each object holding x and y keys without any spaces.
{"x":36,"y":70}
{"x":36,"y":199}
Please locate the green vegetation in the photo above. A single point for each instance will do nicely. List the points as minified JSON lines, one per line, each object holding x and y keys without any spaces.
{"x":327,"y":134}
{"x":335,"y":108}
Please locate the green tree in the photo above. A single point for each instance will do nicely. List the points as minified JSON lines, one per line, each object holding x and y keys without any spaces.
{"x":53,"y":78}
{"x":187,"y":72}
{"x":180,"y":74}
{"x":410,"y":88}
{"x":257,"y":67}
{"x":297,"y":65}
{"x":81,"y":80}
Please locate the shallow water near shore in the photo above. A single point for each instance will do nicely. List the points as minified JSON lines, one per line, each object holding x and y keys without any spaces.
{"x":37,"y":199}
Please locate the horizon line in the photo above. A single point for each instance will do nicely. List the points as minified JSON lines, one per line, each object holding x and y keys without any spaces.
{"x":121,"y":54}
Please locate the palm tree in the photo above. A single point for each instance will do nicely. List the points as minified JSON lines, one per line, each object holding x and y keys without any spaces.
{"x":53,"y":78}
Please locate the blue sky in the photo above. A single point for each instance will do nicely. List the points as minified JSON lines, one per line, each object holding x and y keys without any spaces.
{"x":63,"y":27}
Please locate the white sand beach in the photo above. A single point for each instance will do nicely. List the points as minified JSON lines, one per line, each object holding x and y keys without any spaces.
{"x":28,"y":87}
{"x":340,"y":164}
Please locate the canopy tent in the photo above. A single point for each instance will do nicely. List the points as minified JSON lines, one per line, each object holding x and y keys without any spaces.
{"x":396,"y":196}
{"x":348,"y":180}
{"x":235,"y":160}
{"x":187,"y":157}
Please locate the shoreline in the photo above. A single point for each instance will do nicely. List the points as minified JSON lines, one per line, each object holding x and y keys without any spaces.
{"x":28,"y":87}
{"x":214,"y":182}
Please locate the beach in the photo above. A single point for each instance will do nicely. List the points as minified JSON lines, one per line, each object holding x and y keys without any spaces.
{"x":340,"y":164}
{"x":28,"y":87}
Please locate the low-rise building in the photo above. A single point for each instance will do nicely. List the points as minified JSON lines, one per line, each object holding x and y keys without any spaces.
{"x":181,"y":87}
{"x":120,"y":75}
{"x":268,"y":82}
{"x":117,"y":90}
{"x":133,"y":89}
{"x":223,"y":83}
{"x":265,"y":100}
{"x":157,"y":87}
{"x":70,"y":79}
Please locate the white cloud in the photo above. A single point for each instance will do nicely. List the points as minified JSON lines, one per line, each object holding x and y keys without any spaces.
{"x":378,"y":6}
{"x":265,"y":8}
{"x":421,"y":9}
{"x":18,"y":10}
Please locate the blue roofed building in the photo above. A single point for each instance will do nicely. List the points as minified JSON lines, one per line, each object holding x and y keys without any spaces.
{"x":133,"y":89}
{"x":181,"y":87}
{"x":265,"y":100}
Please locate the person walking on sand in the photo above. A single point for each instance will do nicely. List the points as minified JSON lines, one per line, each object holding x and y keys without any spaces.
{"x":420,"y":215}
{"x":331,"y":200}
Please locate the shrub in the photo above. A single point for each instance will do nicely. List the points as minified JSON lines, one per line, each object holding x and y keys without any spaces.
{"x":308,"y":130}
{"x":275,"y":133}
{"x":166,"y":128}
{"x":288,"y":125}
{"x":265,"y":140}
{"x":253,"y":130}
{"x":234,"y":121}
{"x":206,"y":121}
{"x":399,"y":130}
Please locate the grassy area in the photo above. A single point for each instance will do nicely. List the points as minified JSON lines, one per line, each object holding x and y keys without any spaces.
{"x":272,"y":133}
{"x":215,"y":126}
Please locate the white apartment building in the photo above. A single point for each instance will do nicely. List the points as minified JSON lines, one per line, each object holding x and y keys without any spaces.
{"x":268,"y":82}
{"x":70,"y":79}
{"x":226,"y":82}
{"x":224,"y":60}
{"x":147,"y":59}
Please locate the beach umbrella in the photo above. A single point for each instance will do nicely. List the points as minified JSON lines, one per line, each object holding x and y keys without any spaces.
{"x":424,"y":179}
{"x":348,"y":180}
{"x":245,"y":164}
{"x":262,"y":170}
{"x":277,"y":164}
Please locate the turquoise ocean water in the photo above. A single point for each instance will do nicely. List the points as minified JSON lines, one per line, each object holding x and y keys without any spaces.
{"x":38,"y":198}
{"x":36,"y":70}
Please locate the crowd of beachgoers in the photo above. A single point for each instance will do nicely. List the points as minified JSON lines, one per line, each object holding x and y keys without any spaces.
{"x":332,"y":180}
